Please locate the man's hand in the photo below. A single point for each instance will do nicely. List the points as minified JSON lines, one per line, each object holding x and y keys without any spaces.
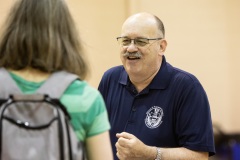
{"x":130,"y":147}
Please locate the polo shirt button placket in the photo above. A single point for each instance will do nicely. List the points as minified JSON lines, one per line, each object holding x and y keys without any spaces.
{"x":134,"y":109}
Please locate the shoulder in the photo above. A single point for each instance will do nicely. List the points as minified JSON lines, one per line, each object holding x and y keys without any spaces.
{"x":186,"y":83}
{"x":82,"y":88}
{"x":81,"y":97}
{"x":112,"y":76}
{"x":184,"y":76}
{"x":114,"y":71}
{"x":80,"y":93}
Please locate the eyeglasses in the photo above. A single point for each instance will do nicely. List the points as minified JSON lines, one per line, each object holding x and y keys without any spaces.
{"x":139,"y":42}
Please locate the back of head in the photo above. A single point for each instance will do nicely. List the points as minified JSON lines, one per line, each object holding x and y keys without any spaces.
{"x":41,"y":34}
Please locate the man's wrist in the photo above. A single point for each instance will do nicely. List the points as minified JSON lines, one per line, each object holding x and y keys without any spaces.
{"x":159,"y":154}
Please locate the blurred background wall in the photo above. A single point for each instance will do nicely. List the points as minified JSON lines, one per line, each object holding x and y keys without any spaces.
{"x":203,"y":38}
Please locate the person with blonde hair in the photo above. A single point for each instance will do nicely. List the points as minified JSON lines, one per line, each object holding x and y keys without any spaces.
{"x":39,"y":38}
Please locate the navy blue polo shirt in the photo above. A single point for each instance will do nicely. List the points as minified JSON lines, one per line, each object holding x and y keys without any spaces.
{"x":172,"y":111}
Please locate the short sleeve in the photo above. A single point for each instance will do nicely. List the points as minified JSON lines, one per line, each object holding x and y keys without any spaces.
{"x":86,"y":108}
{"x":194,"y":124}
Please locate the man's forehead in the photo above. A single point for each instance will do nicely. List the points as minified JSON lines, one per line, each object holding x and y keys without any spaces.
{"x":139,"y":27}
{"x":142,"y":18}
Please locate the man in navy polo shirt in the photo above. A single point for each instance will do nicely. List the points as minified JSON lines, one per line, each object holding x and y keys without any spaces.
{"x":156,"y":111}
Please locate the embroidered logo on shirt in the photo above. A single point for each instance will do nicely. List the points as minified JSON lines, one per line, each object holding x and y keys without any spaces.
{"x":154,"y":117}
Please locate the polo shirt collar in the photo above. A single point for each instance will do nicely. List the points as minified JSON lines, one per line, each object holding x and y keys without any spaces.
{"x":163,"y":77}
{"x":160,"y":81}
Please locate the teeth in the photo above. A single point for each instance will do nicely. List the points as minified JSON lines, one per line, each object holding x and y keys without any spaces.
{"x":133,"y":58}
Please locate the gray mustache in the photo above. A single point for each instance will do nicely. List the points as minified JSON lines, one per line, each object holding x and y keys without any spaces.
{"x":135,"y":54}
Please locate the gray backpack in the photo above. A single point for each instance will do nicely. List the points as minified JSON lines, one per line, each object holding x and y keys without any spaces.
{"x":36,"y":126}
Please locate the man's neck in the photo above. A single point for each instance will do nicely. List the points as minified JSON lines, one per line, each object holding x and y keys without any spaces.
{"x":140,"y":85}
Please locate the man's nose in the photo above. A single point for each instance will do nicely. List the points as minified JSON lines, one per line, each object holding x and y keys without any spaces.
{"x":132,"y":43}
{"x":132,"y":46}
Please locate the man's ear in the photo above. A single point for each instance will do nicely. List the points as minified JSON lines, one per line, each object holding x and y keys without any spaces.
{"x":163,"y":46}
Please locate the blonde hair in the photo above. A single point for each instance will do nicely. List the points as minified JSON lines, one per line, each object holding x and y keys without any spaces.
{"x":41,"y":34}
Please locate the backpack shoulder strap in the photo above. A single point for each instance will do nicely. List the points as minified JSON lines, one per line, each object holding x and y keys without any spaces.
{"x":57,"y":83}
{"x":8,"y":85}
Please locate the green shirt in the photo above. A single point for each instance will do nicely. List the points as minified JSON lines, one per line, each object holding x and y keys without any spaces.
{"x":83,"y":102}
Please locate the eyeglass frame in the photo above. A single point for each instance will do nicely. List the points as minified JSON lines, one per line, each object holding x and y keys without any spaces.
{"x":135,"y":43}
